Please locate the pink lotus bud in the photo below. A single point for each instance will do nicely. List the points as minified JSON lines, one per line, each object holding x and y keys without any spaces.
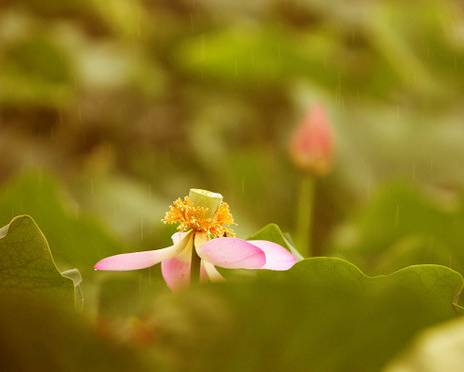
{"x":311,"y":145}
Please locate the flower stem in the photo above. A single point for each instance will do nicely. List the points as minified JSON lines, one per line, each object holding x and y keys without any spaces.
{"x":304,"y":216}
{"x":195,"y":264}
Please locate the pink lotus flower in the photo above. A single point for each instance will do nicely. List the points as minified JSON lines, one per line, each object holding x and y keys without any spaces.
{"x":204,"y":217}
{"x":311,"y":145}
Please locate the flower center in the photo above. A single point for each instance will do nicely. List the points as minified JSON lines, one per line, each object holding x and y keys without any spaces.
{"x":201,"y":211}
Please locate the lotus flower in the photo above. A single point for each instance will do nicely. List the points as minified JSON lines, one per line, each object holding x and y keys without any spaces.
{"x":311,"y":145}
{"x":204,"y":241}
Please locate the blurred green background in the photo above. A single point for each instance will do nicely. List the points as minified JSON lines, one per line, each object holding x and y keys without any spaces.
{"x":130,"y":103}
{"x":109,"y":110}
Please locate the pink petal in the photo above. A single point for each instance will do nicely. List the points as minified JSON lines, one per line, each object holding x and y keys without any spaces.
{"x":176,"y":272}
{"x":135,"y":261}
{"x":277,"y":257}
{"x":232,"y":253}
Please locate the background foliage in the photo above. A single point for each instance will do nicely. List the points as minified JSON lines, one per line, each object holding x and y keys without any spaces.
{"x":110,"y":110}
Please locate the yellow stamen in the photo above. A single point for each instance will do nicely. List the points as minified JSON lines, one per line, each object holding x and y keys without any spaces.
{"x":196,"y":218}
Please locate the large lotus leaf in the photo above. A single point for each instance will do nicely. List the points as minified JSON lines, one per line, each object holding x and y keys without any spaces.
{"x":26,"y":263}
{"x":76,"y":240}
{"x":128,"y":294}
{"x":402,"y":226}
{"x":322,"y":315}
{"x":38,"y":335}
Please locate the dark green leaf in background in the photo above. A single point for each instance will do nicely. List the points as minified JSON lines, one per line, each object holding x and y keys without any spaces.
{"x":76,"y":239}
{"x":403,"y":226}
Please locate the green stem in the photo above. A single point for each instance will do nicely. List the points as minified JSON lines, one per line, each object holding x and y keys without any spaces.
{"x":195,"y":265}
{"x":304,"y":217}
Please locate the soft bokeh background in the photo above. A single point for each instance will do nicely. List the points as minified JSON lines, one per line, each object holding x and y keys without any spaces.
{"x":130,"y":103}
{"x":111,"y":109}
